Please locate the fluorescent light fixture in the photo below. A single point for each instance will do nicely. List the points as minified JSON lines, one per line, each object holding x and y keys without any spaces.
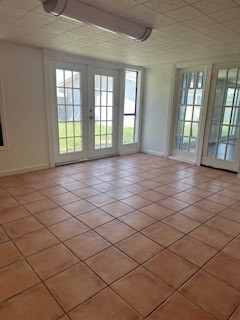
{"x":85,"y":13}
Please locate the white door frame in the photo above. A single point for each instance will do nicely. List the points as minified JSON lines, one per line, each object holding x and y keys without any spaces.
{"x":179,"y":155}
{"x":87,"y":84}
{"x":99,"y":153}
{"x":213,"y":162}
{"x":73,"y":156}
{"x":51,"y":57}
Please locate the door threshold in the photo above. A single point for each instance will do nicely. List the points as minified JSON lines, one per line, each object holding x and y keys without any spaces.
{"x":222,"y":169}
{"x":85,"y":160}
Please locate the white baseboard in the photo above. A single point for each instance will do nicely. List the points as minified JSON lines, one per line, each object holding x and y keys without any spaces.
{"x":153,"y":153}
{"x":23,"y":170}
{"x":182,"y":159}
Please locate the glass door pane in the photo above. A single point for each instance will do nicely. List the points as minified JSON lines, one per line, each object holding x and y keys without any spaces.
{"x":85,"y":112}
{"x":69,"y":111}
{"x":103,"y":112}
{"x":188,"y":113}
{"x":224,"y":122}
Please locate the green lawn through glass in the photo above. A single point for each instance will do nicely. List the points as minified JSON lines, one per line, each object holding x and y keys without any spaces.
{"x":70,"y":136}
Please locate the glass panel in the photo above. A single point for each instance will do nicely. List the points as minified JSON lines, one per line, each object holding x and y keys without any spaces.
{"x":62,"y":130}
{"x":69,"y":115}
{"x":77,"y":129}
{"x":219,"y":95}
{"x":178,"y":143}
{"x":68,"y":79}
{"x":69,"y":110}
{"x":103,"y":83}
{"x":190,"y":96}
{"x":128,"y":129}
{"x":97,"y":98}
{"x":103,"y":113}
{"x":97,"y":144}
{"x":185,"y":144}
{"x":61,"y":113}
{"x":63,"y":145}
{"x":76,"y":79}
{"x":214,"y":133}
{"x":180,"y":128}
{"x":183,"y":96}
{"x":109,"y":141}
{"x":233,"y":134}
{"x":232,"y":77}
{"x":184,"y":80}
{"x":97,"y":128}
{"x":196,"y":114}
{"x":109,"y":127}
{"x":229,"y":97}
{"x":212,"y":149}
{"x":193,"y":144}
{"x":103,"y":142}
{"x":69,"y":96}
{"x":221,"y":149}
{"x":130,"y":101}
{"x":104,"y":99}
{"x":231,"y":151}
{"x":97,"y":82}
{"x":78,"y":144}
{"x":216,"y":115}
{"x":224,"y":131}
{"x":109,"y":113}
{"x":110,"y":84}
{"x":97,"y":114}
{"x":221,"y":77}
{"x":130,"y":92}
{"x":189,"y":111}
{"x":235,"y":117}
{"x":187,"y":129}
{"x":60,"y":96}
{"x":76,"y":96}
{"x":200,"y":80}
{"x":59,"y":78}
{"x":77,"y":113}
{"x":191,"y":80}
{"x":70,"y":144}
{"x":110,"y":99}
{"x":198,"y":97}
{"x":227,"y":116}
{"x":181,"y":113}
{"x":194,"y":130}
{"x":237,"y":98}
{"x":70,"y":129}
{"x":103,"y":127}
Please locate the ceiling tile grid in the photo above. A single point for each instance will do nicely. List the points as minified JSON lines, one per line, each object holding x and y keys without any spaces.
{"x":182,"y":30}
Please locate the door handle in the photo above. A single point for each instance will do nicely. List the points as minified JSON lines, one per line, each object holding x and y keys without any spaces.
{"x":91,"y":117}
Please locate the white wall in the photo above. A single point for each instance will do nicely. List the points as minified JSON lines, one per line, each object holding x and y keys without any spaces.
{"x":21,"y":70}
{"x":22,"y":75}
{"x":158,"y":90}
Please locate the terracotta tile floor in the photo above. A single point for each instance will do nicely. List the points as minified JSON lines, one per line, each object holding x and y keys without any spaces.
{"x":124,"y":238}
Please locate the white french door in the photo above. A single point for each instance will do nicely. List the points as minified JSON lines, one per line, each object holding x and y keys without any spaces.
{"x":103,"y":112}
{"x":85,"y":113}
{"x":222,"y":135}
{"x":187,"y":113}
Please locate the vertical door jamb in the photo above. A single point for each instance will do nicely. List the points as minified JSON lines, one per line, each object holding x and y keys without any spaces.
{"x":204,"y":111}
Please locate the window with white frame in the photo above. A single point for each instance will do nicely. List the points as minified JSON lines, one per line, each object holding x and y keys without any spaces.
{"x":130,"y":107}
